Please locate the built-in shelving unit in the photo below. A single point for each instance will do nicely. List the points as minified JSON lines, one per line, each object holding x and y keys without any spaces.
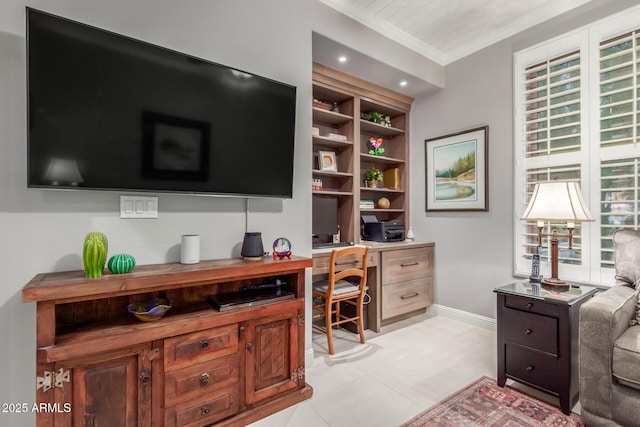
{"x":348,"y":97}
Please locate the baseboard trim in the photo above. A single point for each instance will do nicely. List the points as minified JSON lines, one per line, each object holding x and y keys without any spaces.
{"x":464,"y":316}
{"x":308,"y":357}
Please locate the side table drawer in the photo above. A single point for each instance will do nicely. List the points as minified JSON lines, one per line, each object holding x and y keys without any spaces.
{"x":404,"y":297}
{"x":531,"y":367}
{"x":531,"y":330}
{"x":531,"y":305}
{"x":406,"y":264}
{"x":197,"y":347}
{"x":194,"y":381}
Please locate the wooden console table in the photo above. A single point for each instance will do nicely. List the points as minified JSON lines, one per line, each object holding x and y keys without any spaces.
{"x":196,"y":366}
{"x":400,"y":277}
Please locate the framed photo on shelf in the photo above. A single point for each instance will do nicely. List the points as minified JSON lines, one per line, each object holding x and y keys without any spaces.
{"x":327,"y":161}
{"x":456,"y":170}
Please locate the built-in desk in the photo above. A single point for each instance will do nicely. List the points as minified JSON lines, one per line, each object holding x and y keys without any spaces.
{"x":400,"y":277}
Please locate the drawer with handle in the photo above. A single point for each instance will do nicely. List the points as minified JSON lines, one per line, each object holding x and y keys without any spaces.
{"x":531,"y":330}
{"x":404,"y":297}
{"x":406,"y":264}
{"x":212,"y":407}
{"x":193,"y":381}
{"x":321,"y":263}
{"x":197,"y":347}
{"x":532,"y":367}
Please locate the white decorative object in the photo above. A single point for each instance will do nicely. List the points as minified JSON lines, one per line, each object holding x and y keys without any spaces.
{"x":410,"y":235}
{"x":190,"y":249}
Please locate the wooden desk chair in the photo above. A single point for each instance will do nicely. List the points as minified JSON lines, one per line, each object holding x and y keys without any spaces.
{"x":335,"y":290}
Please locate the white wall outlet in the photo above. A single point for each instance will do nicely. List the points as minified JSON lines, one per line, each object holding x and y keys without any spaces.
{"x":138,"y":207}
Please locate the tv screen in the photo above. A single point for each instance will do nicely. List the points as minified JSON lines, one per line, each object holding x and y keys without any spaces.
{"x":324,"y":212}
{"x":107,"y":112}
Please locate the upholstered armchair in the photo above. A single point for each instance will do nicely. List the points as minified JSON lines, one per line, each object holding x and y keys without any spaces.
{"x":610,"y":345}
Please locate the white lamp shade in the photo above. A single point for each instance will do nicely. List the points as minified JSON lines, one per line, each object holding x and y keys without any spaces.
{"x":557,"y":201}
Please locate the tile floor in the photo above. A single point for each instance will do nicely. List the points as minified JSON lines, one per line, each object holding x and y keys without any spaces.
{"x":398,"y":373}
{"x":401,"y":371}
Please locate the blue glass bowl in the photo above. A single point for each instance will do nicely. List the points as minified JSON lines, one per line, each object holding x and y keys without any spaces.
{"x":151,"y":310}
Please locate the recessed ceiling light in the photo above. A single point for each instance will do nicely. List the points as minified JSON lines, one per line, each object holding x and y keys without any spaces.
{"x":342,"y":59}
{"x":403,"y":83}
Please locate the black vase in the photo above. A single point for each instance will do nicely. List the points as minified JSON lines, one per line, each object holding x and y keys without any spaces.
{"x":252,"y":248}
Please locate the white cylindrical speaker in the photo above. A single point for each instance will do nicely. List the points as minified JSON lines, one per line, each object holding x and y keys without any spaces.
{"x":190,"y":249}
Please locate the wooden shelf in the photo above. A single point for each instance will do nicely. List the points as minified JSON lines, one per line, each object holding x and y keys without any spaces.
{"x":69,"y":285}
{"x":381,"y":190}
{"x":127,"y":331}
{"x":380,"y":159}
{"x":329,"y":116}
{"x":333,"y":174}
{"x":325,"y":141}
{"x":332,"y":193}
{"x":383,"y":210}
{"x":378,"y":129}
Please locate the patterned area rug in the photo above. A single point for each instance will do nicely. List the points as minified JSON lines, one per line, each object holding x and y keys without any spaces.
{"x":483,"y":403}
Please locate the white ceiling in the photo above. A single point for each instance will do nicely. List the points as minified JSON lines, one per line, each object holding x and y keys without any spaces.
{"x":447,"y":30}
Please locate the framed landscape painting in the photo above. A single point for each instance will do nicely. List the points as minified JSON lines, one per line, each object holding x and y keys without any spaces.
{"x":457,"y":171}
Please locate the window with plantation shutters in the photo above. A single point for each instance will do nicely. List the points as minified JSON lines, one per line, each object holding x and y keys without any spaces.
{"x":552,"y":98}
{"x":577,"y":118}
{"x":618,"y":82}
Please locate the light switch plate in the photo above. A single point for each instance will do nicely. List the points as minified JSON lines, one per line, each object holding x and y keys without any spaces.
{"x":138,"y":207}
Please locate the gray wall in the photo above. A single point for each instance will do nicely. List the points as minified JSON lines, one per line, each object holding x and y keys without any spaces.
{"x":474,"y":251}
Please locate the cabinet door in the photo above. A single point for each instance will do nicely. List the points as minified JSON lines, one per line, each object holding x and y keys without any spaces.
{"x":271,"y":355}
{"x":113,"y":390}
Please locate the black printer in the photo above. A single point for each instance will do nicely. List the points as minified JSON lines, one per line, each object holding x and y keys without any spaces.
{"x":384,"y":231}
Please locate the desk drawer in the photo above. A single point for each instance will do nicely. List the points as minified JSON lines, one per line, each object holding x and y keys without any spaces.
{"x":321,"y":263}
{"x":404,"y":297}
{"x":406,"y":264}
{"x":531,"y":367}
{"x":194,"y":381}
{"x":210,"y":408}
{"x":197,"y":347}
{"x":531,"y":330}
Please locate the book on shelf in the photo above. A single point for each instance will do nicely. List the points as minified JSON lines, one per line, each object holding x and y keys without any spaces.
{"x":367,"y":204}
{"x":337,"y":136}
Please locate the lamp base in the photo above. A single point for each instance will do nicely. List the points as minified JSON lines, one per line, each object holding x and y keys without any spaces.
{"x":555,"y":284}
{"x":252,"y":258}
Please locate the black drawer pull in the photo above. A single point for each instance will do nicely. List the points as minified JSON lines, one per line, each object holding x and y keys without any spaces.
{"x":415,"y":294}
{"x":204,"y":344}
{"x":204,"y":410}
{"x":528,"y":331}
{"x":530,"y":305}
{"x":409,"y":264}
{"x":530,"y":368}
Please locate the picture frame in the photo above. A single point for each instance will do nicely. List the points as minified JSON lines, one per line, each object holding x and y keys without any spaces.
{"x":327,"y":161}
{"x":175,"y":147}
{"x":457,"y":171}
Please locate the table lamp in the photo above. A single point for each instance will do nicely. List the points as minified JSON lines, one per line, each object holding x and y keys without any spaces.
{"x":556,"y":201}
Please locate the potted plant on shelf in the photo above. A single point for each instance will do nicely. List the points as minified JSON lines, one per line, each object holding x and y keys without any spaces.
{"x":372,"y":177}
{"x":376,"y":117}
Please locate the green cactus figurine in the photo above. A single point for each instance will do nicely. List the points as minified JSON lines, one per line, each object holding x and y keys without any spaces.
{"x":94,"y":254}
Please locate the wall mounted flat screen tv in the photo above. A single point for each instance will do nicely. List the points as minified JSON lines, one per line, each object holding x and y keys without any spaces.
{"x":107,"y":112}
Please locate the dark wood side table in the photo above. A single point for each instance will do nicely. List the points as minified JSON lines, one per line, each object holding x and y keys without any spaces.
{"x":538,"y":338}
